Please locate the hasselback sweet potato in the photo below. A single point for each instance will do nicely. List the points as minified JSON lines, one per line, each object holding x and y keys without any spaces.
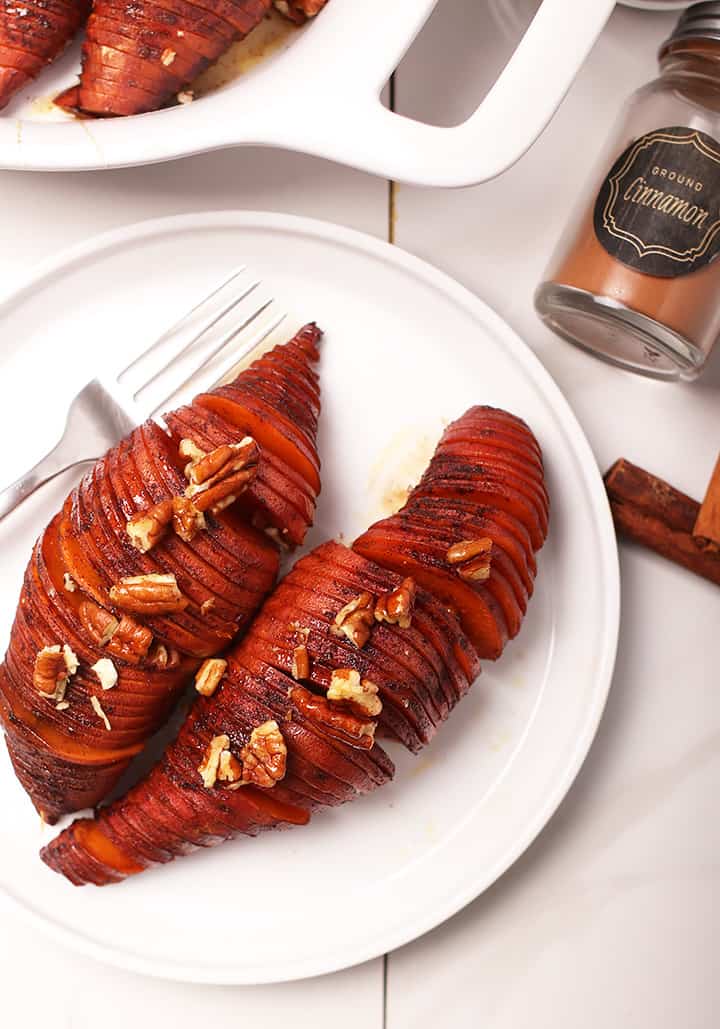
{"x":380,"y":640}
{"x":137,"y":56}
{"x":32,"y":34}
{"x":158,"y":558}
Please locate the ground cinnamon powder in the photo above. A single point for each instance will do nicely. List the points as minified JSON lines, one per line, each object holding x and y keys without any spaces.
{"x":690,"y":304}
{"x":656,"y":200}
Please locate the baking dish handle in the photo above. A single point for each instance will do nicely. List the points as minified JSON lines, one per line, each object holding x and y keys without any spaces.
{"x":509,"y":120}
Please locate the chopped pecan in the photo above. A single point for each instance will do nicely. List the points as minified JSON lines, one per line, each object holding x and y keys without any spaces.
{"x":148,"y":528}
{"x":300,"y":662}
{"x":336,"y":722}
{"x":163,"y":657}
{"x":149,"y":595}
{"x":346,"y":685}
{"x":219,"y":764}
{"x":69,"y":583}
{"x":229,"y":768}
{"x":216,"y":498}
{"x":99,"y":624}
{"x":125,"y":638}
{"x":473,"y":558}
{"x":396,"y":608}
{"x":54,"y":667}
{"x":218,"y":478}
{"x":187,"y":520}
{"x":224,"y":460}
{"x":207,"y":605}
{"x":50,"y":672}
{"x":106,"y":673}
{"x":264,"y":756}
{"x":71,"y":659}
{"x":209,"y":675}
{"x":210,"y":764}
{"x":98,"y":709}
{"x":130,"y":640}
{"x":190,"y":452}
{"x":356,"y":619}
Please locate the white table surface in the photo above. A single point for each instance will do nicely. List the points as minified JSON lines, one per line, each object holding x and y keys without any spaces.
{"x":611,"y":919}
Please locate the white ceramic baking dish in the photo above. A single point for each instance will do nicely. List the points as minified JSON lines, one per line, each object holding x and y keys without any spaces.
{"x":322,"y":96}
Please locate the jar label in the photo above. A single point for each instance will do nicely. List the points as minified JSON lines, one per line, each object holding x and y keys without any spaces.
{"x":658,"y":210}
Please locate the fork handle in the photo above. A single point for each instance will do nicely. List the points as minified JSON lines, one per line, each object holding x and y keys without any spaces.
{"x":51,"y":465}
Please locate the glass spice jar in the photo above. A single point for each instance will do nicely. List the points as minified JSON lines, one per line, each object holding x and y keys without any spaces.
{"x":636,"y":276}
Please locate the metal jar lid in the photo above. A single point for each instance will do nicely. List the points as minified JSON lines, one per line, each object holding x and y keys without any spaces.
{"x":701,"y":21}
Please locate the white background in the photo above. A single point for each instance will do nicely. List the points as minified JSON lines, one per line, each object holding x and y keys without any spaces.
{"x":611,"y":918}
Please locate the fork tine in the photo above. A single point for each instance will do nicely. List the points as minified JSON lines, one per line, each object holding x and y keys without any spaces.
{"x":178,"y":324}
{"x":236,"y":356}
{"x":213,"y":320}
{"x":254,"y":340}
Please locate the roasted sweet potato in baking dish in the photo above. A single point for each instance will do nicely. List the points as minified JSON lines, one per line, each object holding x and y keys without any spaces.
{"x":32,"y":34}
{"x":138,"y":56}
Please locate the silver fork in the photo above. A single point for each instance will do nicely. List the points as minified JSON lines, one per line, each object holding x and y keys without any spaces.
{"x":106,"y":409}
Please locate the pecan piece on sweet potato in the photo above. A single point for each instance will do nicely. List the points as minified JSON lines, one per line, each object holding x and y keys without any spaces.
{"x":355,"y":620}
{"x":396,"y":607}
{"x":334,"y":719}
{"x":264,"y":756}
{"x":148,"y":527}
{"x":148,"y":595}
{"x":472,"y":558}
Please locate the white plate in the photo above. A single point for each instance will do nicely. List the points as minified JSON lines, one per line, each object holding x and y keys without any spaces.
{"x":406,"y":349}
{"x":321,"y":96}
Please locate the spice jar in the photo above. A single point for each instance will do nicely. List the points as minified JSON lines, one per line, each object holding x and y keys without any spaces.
{"x":636,"y":276}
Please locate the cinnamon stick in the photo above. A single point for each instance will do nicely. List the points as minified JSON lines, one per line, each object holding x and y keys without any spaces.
{"x":707,"y":525}
{"x":655,"y":514}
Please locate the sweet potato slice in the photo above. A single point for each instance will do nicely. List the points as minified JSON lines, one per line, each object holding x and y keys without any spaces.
{"x":486,"y":491}
{"x":261,"y":407}
{"x":480,"y":614}
{"x":433,"y":620}
{"x":277,"y":498}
